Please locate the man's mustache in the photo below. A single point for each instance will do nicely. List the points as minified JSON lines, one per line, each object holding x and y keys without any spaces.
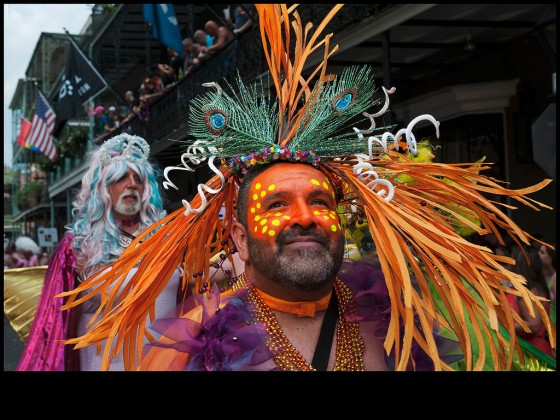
{"x":289,"y":235}
{"x":130,"y":192}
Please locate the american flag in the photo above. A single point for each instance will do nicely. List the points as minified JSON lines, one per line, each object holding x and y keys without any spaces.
{"x":42,"y":125}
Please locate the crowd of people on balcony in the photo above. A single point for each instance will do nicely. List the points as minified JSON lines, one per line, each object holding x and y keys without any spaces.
{"x":162,"y":77}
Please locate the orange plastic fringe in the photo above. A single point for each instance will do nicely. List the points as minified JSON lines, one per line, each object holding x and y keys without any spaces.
{"x":413,"y":235}
{"x":286,"y":73}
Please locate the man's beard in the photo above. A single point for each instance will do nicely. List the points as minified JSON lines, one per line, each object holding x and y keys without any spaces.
{"x":298,"y":268}
{"x":128,"y":209}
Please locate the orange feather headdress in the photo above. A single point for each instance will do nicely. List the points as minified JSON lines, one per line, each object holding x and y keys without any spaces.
{"x":411,"y":206}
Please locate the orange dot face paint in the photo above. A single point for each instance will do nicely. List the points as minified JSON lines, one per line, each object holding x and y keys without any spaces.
{"x":288,"y":194}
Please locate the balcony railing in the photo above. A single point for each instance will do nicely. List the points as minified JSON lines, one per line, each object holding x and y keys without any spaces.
{"x":61,"y":171}
{"x":243,"y":56}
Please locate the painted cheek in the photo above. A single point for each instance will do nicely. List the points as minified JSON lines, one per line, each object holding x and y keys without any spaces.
{"x":329,"y":221}
{"x":264,"y":224}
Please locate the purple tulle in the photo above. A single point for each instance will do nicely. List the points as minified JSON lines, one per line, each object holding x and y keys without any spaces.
{"x":366,"y":281}
{"x":229,"y":339}
{"x":226,"y":339}
{"x":43,"y":351}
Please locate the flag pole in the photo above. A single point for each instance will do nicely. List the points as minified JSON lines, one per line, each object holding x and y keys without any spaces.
{"x":91,"y":116}
{"x":17,"y":154}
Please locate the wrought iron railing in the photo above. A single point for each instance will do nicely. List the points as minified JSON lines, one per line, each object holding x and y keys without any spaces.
{"x":243,"y":55}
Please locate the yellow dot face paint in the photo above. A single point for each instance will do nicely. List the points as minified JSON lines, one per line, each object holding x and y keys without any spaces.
{"x":286,"y":195}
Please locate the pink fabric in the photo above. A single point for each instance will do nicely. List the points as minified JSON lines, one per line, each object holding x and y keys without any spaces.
{"x":42,"y":351}
{"x":33,"y":261}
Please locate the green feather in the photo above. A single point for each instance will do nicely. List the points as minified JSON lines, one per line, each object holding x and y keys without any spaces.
{"x":252,"y":117}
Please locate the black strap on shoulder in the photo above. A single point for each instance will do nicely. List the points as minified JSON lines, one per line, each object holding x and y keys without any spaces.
{"x":324,"y":343}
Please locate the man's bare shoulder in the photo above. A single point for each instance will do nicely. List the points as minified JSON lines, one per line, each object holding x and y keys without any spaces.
{"x":224,"y":33}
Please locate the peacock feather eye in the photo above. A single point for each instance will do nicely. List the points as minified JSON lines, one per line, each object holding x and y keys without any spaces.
{"x":216,"y":121}
{"x":344,"y":99}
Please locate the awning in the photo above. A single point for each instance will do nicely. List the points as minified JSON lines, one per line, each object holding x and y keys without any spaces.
{"x":41,"y":208}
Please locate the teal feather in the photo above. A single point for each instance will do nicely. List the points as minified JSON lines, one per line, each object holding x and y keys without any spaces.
{"x":252,"y":118}
{"x":322,"y":132}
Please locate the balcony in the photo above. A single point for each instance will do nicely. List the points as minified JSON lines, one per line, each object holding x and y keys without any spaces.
{"x":167,"y":124}
{"x":168,"y":116}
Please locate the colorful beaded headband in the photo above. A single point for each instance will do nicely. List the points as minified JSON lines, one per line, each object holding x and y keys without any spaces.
{"x":241,"y":164}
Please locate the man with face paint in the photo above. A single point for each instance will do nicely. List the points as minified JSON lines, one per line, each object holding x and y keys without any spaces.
{"x":290,"y":238}
{"x":289,"y":234}
{"x":290,"y":309}
{"x":119,"y":198}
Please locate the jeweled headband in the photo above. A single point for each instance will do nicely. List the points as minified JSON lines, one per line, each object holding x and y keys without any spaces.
{"x":125,"y":147}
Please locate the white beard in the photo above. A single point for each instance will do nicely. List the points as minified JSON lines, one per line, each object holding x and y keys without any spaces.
{"x":128,"y":209}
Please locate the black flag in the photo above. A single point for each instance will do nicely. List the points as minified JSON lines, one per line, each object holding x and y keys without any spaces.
{"x":81,"y":82}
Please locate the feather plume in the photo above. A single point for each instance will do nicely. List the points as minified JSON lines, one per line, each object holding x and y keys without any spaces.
{"x":287,"y":71}
{"x":414,"y":235}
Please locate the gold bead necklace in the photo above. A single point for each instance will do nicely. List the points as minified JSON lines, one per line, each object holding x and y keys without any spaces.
{"x":349,"y":344}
